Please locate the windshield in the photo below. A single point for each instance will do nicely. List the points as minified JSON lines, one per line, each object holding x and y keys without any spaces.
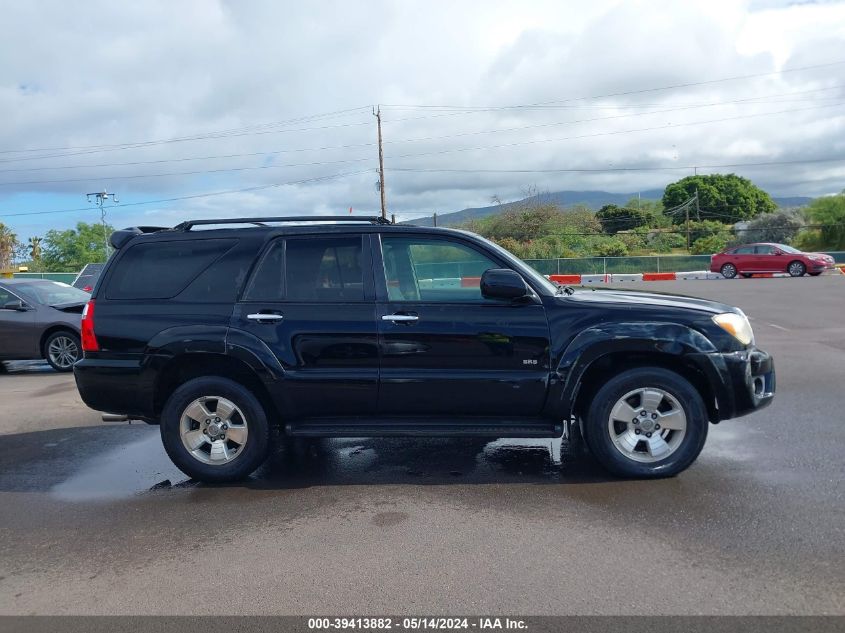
{"x":50,"y":293}
{"x":788,"y":249}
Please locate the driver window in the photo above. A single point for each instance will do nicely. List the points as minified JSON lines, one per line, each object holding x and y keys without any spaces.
{"x":433,"y":270}
{"x":764,"y":250}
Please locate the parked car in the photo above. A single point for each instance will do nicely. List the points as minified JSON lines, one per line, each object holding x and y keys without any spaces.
{"x":40,"y":319}
{"x":769,"y":258}
{"x":360,"y":328}
{"x":88,"y":276}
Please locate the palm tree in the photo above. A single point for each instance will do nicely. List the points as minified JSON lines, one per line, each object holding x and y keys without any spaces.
{"x":35,"y":248}
{"x":8,"y":245}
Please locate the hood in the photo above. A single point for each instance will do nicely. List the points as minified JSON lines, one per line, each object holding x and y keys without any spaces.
{"x":71,"y":306}
{"x":643,"y":299}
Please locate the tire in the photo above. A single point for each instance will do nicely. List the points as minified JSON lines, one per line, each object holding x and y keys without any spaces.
{"x":728,"y":271}
{"x":246,"y":435}
{"x":796,"y":269}
{"x":647,"y":457}
{"x":62,"y":349}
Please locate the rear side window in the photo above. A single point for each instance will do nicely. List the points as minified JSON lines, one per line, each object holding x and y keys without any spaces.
{"x":310,"y":269}
{"x":745,"y":250}
{"x":161,"y":270}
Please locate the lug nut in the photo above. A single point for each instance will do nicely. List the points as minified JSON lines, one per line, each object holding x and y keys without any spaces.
{"x":643,"y":413}
{"x":208,"y":421}
{"x":205,"y":431}
{"x":653,"y":416}
{"x":225,"y":426}
{"x":217,"y":419}
{"x":648,"y":434}
{"x":656,"y":427}
{"x":636,"y":420}
{"x":636,"y":431}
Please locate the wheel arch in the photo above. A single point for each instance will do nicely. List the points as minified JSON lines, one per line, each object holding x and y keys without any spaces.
{"x":609,"y":349}
{"x":49,"y":331}
{"x":184,"y":367}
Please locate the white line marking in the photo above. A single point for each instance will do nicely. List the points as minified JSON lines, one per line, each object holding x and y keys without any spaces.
{"x":779,"y":327}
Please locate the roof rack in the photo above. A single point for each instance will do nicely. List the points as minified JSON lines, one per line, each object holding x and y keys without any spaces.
{"x":187,"y":225}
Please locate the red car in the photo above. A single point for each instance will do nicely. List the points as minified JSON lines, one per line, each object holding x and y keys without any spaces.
{"x":768,"y":258}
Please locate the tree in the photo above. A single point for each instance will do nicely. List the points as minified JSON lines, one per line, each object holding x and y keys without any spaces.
{"x":70,"y":250}
{"x":34,"y":244}
{"x":723,"y":197}
{"x":709,"y":244}
{"x":8,"y":246}
{"x":614,"y":218}
{"x":779,"y":227}
{"x":829,"y":212}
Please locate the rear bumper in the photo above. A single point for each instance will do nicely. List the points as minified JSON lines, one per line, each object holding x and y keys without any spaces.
{"x":113,"y":386}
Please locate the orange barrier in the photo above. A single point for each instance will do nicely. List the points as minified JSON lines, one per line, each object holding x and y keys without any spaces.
{"x":566,"y":279}
{"x":658,"y":276}
{"x":470,"y":282}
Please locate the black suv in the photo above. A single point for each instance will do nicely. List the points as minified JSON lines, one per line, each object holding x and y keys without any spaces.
{"x":362,"y":328}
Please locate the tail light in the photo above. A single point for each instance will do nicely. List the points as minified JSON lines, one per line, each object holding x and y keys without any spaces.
{"x":89,"y":339}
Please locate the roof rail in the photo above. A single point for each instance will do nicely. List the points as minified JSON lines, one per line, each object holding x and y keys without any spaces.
{"x":119,"y":238}
{"x":187,"y":225}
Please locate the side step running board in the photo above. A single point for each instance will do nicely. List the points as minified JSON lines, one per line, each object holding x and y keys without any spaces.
{"x":465,"y":427}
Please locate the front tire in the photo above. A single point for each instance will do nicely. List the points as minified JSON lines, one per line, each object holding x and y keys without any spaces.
{"x":647,"y":422}
{"x":796,"y":269}
{"x":62,"y":350}
{"x":215,"y":430}
{"x":728,"y":271}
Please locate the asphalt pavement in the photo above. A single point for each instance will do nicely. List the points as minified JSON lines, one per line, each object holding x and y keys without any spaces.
{"x":95,"y":519}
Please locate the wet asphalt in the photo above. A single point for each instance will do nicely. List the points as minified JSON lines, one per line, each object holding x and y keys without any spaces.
{"x":95,"y":519}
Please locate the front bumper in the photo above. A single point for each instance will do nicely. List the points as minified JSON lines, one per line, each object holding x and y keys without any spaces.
{"x":751,"y":380}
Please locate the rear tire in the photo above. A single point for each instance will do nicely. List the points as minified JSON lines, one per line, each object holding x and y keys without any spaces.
{"x":621,"y":445}
{"x":728,"y":271}
{"x":796,"y":269}
{"x":232,"y":446}
{"x":62,"y":349}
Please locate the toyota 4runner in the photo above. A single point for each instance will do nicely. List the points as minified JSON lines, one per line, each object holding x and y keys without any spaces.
{"x":220,"y":330}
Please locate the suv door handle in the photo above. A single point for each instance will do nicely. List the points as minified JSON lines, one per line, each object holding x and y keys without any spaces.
{"x":265,"y":316}
{"x":400,"y":318}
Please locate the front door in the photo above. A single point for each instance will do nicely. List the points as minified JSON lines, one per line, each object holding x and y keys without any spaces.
{"x":18,"y":339}
{"x":311,"y":300}
{"x":445,"y":350}
{"x":768,"y":259}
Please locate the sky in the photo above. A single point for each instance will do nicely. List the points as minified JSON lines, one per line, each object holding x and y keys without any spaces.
{"x":216,"y":108}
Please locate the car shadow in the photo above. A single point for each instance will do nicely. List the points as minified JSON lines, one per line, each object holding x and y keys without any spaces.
{"x":118,"y":461}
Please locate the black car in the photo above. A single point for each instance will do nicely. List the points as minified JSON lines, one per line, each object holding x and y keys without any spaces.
{"x":362,"y":328}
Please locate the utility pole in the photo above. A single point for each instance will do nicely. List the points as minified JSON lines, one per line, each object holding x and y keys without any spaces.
{"x":100,"y":198}
{"x":686,"y":210}
{"x":435,"y":218}
{"x":377,"y":114}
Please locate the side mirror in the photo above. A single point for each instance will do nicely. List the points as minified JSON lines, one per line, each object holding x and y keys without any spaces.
{"x":503,"y":283}
{"x":15,"y":304}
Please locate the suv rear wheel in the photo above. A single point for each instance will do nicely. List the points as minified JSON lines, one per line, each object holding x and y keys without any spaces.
{"x":647,"y":422}
{"x":215,"y":430}
{"x":62,"y":350}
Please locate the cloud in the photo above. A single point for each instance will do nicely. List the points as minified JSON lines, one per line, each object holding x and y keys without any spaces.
{"x":104,"y":73}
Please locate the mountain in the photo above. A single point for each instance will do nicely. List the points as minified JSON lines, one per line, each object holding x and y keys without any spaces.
{"x":592,"y":199}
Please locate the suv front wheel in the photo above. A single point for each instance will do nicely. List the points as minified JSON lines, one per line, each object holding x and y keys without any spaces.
{"x":215,"y":430}
{"x":646,"y":422}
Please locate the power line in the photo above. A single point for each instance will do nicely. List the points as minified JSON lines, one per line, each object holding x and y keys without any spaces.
{"x":597,"y":134}
{"x":194,"y":196}
{"x":357,"y":145}
{"x":617,"y":169}
{"x":646,"y":90}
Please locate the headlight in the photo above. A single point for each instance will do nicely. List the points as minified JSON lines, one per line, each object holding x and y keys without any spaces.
{"x":736,"y":325}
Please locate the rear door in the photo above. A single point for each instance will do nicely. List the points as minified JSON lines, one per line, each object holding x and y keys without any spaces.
{"x":445,"y":350}
{"x":18,"y":338}
{"x":311,"y":300}
{"x":767,"y":258}
{"x":745,"y":259}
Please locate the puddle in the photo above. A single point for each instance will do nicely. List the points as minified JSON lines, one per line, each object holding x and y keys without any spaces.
{"x":122,"y":472}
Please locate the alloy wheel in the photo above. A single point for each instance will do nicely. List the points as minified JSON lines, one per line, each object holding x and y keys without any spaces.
{"x":647,"y":425}
{"x":63,"y":352}
{"x":213,"y":430}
